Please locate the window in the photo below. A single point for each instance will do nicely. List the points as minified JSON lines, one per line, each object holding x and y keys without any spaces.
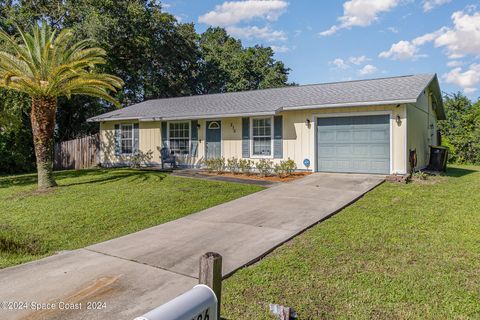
{"x":262,"y":136}
{"x":214,"y":125}
{"x":179,"y":137}
{"x":127,"y":139}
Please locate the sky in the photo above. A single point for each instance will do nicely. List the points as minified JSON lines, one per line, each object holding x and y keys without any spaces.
{"x":334,"y":40}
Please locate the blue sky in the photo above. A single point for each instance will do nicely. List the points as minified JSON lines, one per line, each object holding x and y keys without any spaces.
{"x":324,"y":41}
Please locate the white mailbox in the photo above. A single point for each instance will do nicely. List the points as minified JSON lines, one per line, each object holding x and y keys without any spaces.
{"x":199,"y":303}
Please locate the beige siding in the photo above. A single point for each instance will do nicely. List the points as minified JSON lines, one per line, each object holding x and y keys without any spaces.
{"x":298,"y":138}
{"x":422,"y":128}
{"x":150,"y":139}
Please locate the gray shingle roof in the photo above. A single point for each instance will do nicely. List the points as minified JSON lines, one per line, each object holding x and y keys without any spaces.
{"x":403,"y":89}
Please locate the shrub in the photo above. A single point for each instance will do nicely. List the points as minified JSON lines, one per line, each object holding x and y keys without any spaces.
{"x":215,"y":164}
{"x":233,"y":165}
{"x":245,"y":165}
{"x":265,"y":167}
{"x":285,"y":168}
{"x":140,"y":157}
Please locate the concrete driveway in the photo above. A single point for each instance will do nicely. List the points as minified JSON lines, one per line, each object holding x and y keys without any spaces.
{"x":138,"y":272}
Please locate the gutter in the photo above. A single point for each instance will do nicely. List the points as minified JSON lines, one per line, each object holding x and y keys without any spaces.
{"x":190,"y":117}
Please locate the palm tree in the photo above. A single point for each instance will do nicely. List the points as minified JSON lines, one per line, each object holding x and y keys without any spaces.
{"x":45,"y":65}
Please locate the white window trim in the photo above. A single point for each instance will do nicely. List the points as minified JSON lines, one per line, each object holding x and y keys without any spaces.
{"x":189,"y":135}
{"x":121,"y":139}
{"x":271,"y":138}
{"x":353,"y":114}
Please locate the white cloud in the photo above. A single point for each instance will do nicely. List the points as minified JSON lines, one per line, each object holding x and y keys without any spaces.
{"x":459,"y":40}
{"x":280,"y":49}
{"x":392,"y":29}
{"x":232,"y":12}
{"x":340,"y":64}
{"x":358,"y":60}
{"x":368,"y":69}
{"x":265,"y":33}
{"x":428,"y":5}
{"x":401,"y":50}
{"x":467,"y":79}
{"x":454,"y":64}
{"x":360,"y":13}
{"x":464,"y":37}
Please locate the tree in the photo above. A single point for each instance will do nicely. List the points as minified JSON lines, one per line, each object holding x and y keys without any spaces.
{"x":46,"y":65}
{"x":461,"y":130}
{"x":227,"y":66}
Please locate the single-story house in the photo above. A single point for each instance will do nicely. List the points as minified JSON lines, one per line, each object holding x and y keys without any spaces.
{"x":364,"y":126}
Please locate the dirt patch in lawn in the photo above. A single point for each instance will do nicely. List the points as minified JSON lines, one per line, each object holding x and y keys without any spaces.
{"x":294,"y":176}
{"x":32,"y":193}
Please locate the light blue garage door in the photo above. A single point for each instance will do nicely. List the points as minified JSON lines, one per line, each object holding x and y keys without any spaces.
{"x":354,"y":144}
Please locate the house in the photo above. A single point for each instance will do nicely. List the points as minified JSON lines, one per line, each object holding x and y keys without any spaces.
{"x":365,"y":126}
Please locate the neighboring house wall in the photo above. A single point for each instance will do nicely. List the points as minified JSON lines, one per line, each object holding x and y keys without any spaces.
{"x":422,"y":128}
{"x":299,"y":140}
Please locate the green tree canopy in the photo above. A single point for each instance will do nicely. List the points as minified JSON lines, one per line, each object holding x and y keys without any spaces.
{"x":154,"y":54}
{"x":461,"y":130}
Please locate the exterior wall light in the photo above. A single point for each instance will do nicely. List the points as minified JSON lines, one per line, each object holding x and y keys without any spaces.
{"x":398,"y":119}
{"x":308,"y":122}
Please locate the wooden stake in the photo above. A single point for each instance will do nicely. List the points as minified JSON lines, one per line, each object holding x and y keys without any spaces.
{"x":211,"y":274}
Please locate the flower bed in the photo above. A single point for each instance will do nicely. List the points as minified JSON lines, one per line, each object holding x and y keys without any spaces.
{"x":293,"y":176}
{"x":262,"y":169}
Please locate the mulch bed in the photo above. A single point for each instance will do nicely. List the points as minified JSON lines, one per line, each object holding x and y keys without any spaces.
{"x":294,"y":176}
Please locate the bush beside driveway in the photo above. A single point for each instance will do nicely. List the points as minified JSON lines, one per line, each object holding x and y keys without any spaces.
{"x":91,"y":206}
{"x":401,"y":252}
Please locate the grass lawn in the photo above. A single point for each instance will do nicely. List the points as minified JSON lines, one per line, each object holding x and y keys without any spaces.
{"x":91,"y":206}
{"x":401,"y":252}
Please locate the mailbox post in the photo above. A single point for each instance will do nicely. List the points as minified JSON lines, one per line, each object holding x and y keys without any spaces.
{"x":199,"y":303}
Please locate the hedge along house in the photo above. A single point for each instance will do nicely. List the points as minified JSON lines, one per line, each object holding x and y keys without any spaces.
{"x":366,"y":126}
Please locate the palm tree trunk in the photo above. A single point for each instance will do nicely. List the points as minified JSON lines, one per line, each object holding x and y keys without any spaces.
{"x":43,"y":117}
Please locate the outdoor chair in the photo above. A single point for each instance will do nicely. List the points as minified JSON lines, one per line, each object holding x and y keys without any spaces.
{"x":168,"y":157}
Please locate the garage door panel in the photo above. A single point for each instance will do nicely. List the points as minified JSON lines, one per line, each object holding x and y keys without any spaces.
{"x":326,"y":151}
{"x":361,"y":135}
{"x":361,"y":150}
{"x":379,"y":135}
{"x":343,"y":150}
{"x":344,"y":135}
{"x":326,"y":135}
{"x":379,"y":150}
{"x":354,"y":144}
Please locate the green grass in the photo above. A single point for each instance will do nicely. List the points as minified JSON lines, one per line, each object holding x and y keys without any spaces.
{"x":401,"y":252}
{"x":91,"y":206}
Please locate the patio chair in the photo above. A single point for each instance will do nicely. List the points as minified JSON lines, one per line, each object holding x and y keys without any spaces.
{"x":168,"y":157}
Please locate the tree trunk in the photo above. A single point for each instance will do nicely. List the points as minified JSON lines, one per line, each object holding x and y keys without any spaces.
{"x":43,"y":117}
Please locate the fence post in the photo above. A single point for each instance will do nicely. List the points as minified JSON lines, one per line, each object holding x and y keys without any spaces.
{"x":210,"y":274}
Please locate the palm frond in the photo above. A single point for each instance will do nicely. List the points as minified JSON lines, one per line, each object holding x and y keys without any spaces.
{"x":47,"y":63}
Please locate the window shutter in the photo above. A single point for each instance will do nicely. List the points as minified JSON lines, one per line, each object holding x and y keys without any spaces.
{"x":136,"y":138}
{"x":194,"y":138}
{"x":118,"y":140}
{"x":277,"y":137}
{"x":246,"y":137}
{"x":164,"y":135}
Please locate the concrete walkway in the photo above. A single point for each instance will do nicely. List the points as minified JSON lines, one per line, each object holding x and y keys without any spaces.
{"x":140,"y":271}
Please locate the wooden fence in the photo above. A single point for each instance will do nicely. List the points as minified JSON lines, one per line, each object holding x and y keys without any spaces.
{"x":80,"y":153}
